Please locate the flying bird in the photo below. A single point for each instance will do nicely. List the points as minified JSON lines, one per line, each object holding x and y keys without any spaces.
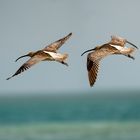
{"x":115,"y":46}
{"x":49,"y":53}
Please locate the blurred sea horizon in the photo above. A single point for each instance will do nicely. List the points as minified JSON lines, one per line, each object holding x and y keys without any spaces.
{"x":100,"y":115}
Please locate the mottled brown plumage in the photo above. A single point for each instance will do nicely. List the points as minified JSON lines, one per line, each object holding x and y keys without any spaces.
{"x":115,"y":46}
{"x":53,"y":47}
{"x":49,"y":53}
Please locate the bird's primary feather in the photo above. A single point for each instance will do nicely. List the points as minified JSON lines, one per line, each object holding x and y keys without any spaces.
{"x":40,"y":56}
{"x":53,"y":47}
{"x":94,"y":58}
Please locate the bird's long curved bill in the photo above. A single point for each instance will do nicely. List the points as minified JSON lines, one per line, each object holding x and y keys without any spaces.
{"x":87,"y":51}
{"x":20,"y":57}
{"x":131,"y":44}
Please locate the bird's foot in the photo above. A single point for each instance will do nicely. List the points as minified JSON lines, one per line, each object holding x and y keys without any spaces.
{"x":64,"y":63}
{"x":130,"y":56}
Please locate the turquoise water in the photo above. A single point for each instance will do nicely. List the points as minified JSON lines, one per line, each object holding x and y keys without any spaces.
{"x":86,"y":116}
{"x":72,"y":131}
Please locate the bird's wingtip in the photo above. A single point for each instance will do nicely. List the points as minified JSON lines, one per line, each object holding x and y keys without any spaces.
{"x":91,"y":85}
{"x":70,"y":34}
{"x":8,"y":78}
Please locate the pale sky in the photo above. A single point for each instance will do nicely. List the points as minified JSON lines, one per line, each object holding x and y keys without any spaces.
{"x":29,"y":25}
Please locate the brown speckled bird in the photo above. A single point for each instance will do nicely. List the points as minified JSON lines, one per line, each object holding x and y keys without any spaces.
{"x":115,"y":46}
{"x":49,"y":53}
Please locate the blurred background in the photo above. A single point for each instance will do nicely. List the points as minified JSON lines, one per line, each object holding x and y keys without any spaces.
{"x":54,"y":102}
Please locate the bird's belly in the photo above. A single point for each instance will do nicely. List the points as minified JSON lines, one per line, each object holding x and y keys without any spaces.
{"x":120,"y":48}
{"x":117,"y":47}
{"x":55,"y":56}
{"x":48,"y":59}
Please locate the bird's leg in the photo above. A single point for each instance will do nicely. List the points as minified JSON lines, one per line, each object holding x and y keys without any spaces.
{"x":130,"y":56}
{"x":64,"y":63}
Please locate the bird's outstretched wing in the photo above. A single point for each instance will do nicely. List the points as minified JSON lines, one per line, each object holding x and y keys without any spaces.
{"x":53,"y":47}
{"x":32,"y":61}
{"x":92,"y":68}
{"x":93,"y":60}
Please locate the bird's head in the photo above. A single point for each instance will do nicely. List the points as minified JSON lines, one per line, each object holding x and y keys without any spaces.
{"x":30,"y":54}
{"x":120,"y":41}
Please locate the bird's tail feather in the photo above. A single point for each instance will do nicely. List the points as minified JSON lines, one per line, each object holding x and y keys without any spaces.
{"x":65,"y":56}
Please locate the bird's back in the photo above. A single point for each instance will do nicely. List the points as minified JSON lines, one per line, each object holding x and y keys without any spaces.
{"x":101,"y":52}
